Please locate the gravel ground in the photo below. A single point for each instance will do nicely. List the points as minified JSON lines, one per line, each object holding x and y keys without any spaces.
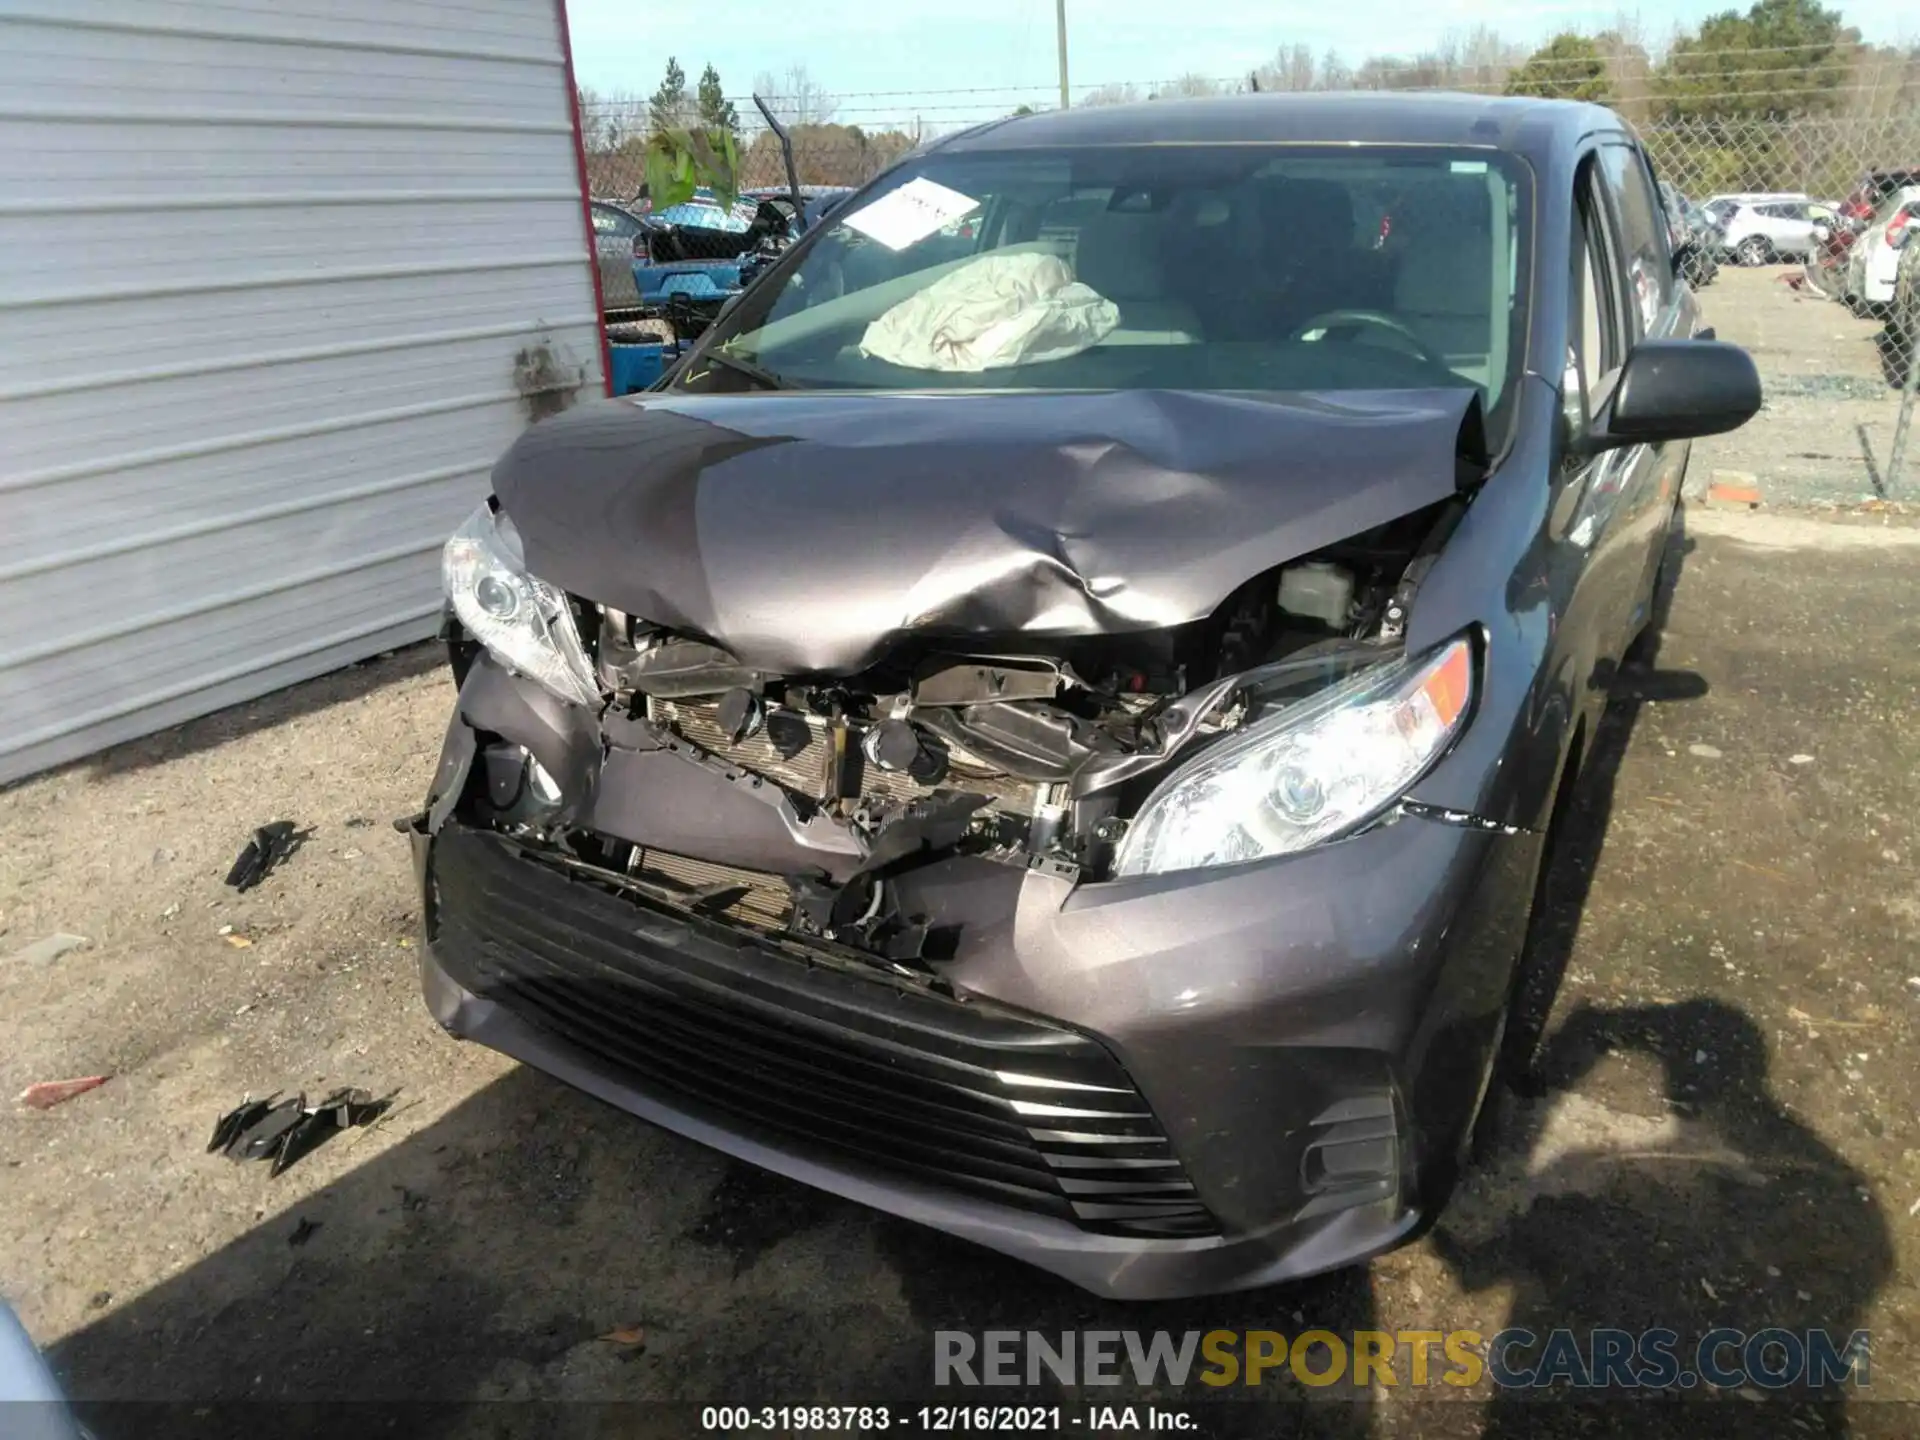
{"x":1827,"y":429}
{"x":1730,"y":1135}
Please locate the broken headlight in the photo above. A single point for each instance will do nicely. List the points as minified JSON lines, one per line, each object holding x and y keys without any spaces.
{"x":1314,"y":770}
{"x":524,"y":621}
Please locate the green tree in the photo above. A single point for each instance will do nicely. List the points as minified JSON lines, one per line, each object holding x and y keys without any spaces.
{"x":1781,"y":57}
{"x":1567,"y":67}
{"x":669,"y":110}
{"x":716,"y":111}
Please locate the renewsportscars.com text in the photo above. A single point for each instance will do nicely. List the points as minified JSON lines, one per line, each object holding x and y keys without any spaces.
{"x":1599,"y":1359}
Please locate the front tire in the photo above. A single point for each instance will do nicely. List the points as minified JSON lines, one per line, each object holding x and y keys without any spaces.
{"x":1753,"y":251}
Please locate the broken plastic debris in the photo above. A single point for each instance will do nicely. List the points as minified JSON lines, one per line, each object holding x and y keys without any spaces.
{"x":239,"y":942}
{"x":283,"y":1132}
{"x":271,"y":844}
{"x":627,"y":1340}
{"x":45,"y":952}
{"x":48,"y":1093}
{"x":1799,"y":759}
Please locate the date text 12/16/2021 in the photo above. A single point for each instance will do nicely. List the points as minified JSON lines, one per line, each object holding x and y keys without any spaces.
{"x":947,"y":1419}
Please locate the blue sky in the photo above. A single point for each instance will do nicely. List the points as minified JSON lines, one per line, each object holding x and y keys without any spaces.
{"x":855,"y":48}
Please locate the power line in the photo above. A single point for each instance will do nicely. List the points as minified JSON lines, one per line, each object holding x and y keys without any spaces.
{"x":1394,"y":66}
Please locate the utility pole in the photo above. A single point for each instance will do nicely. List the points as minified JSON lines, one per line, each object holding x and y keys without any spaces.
{"x":1060,"y":16}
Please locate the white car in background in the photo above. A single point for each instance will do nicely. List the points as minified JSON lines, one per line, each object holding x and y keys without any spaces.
{"x":1873,"y":260}
{"x":1759,"y":232}
{"x":1721,"y":207}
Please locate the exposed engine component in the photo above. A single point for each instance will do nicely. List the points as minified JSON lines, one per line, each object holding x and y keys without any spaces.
{"x":1318,"y":590}
{"x":740,"y":714}
{"x":899,"y":747}
{"x":1035,"y":751}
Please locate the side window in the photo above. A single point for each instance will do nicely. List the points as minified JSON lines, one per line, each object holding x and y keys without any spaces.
{"x":602,"y":222}
{"x":1643,"y":236}
{"x":1595,"y":331}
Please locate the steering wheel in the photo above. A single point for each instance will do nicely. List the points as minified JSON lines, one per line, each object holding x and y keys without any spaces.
{"x":1353,"y":321}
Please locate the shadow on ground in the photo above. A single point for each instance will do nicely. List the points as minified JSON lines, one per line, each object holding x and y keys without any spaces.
{"x":482,"y":1258}
{"x":1685,"y":1225}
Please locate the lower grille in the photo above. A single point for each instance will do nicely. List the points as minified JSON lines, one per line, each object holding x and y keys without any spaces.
{"x":754,"y":1035}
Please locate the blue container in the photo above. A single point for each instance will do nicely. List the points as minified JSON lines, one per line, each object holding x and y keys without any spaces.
{"x":637,"y":366}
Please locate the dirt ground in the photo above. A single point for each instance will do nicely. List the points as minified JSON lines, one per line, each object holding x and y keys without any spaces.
{"x":1731,"y":1134}
{"x":1824,"y":438}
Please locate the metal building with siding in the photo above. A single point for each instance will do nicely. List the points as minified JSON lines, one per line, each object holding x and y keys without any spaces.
{"x":279,"y":280}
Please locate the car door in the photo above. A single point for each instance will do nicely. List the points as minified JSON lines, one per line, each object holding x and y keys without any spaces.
{"x":1588,"y":507}
{"x":1657,"y":308}
{"x":1795,"y":234}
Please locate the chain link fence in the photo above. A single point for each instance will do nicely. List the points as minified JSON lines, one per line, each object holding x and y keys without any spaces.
{"x":1822,"y":157}
{"x":1843,"y":240}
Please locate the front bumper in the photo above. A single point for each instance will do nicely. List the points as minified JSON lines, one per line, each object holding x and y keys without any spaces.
{"x":1289,"y":1054}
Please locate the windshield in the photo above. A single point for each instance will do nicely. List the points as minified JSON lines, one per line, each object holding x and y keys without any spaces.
{"x":1245,"y":267}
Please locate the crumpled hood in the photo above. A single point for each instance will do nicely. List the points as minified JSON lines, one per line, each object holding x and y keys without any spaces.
{"x":807,"y":532}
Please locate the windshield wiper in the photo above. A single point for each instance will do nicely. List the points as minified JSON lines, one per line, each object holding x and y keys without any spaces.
{"x":759,"y":374}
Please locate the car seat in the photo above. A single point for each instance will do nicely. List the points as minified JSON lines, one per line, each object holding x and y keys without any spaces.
{"x":1120,"y":255}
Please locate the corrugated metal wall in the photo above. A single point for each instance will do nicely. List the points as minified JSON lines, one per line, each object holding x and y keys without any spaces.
{"x":265,"y":270}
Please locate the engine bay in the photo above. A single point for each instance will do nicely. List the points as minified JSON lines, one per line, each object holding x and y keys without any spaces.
{"x":1031,"y":752}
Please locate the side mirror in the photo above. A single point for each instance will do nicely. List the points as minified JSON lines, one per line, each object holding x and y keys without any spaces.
{"x":1676,"y":390}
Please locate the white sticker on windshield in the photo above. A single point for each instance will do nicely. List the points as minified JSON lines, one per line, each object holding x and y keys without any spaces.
{"x":911,"y":213}
{"x":1469,"y":167}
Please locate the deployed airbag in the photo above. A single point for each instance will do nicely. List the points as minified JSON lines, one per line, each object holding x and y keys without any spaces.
{"x":1000,"y":310}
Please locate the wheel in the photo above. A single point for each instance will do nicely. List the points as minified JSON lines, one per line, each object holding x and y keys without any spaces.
{"x":1754,"y":250}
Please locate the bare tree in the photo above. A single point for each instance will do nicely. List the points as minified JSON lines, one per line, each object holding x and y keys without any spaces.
{"x":1335,"y":73}
{"x":795,"y":96}
{"x":1291,"y":69}
{"x":1187,"y":86}
{"x":1479,"y":59}
{"x":1110,"y":95}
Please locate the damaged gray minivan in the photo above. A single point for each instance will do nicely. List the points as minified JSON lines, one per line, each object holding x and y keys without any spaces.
{"x":1046,"y":722}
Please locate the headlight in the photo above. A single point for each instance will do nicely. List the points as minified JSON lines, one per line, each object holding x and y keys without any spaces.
{"x":524,"y":621}
{"x":1316,"y":769}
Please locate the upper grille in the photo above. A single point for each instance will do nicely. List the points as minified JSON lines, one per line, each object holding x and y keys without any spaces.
{"x":750,"y":1035}
{"x":802,"y":767}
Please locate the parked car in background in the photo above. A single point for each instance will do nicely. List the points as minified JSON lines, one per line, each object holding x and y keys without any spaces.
{"x":1863,"y":202}
{"x":1693,"y":235}
{"x":614,"y":231}
{"x":1722,"y":206}
{"x":1048,"y":722}
{"x":1833,"y":239}
{"x":1874,"y":259}
{"x":697,"y":258}
{"x":1905,"y":321}
{"x":1762,"y":232}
